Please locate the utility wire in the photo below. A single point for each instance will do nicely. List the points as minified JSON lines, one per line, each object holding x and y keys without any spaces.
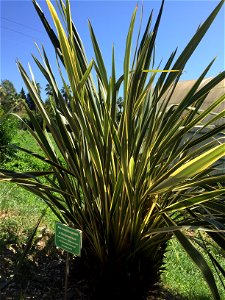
{"x":31,"y":28}
{"x":19,"y":32}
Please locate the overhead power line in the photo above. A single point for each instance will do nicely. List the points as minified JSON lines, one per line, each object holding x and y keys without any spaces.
{"x":26,"y":26}
{"x":19,"y":32}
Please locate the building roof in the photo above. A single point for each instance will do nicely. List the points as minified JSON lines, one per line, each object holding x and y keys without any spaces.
{"x":183,"y":87}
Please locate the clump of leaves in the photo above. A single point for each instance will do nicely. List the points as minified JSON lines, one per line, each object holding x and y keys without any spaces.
{"x":8,"y":128}
{"x":128,"y":183}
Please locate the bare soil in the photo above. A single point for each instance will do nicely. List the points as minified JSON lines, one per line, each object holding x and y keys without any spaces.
{"x":42,"y":275}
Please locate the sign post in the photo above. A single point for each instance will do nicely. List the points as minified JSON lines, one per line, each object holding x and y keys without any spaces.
{"x":70,"y":240}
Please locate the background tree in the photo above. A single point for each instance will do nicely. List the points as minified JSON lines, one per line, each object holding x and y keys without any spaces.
{"x":30,"y":102}
{"x":8,"y":95}
{"x":49,"y":101}
{"x":49,"y":94}
{"x":48,"y":90}
{"x":19,"y":100}
{"x":8,"y":128}
{"x":8,"y":124}
{"x":65,"y":92}
{"x":29,"y":99}
{"x":22,"y":94}
{"x":8,"y":87}
{"x":39,"y":88}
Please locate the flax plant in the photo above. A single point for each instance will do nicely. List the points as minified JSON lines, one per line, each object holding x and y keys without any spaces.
{"x":133,"y":182}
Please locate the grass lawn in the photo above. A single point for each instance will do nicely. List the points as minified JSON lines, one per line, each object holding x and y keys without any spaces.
{"x":20,"y":210}
{"x":183,"y":278}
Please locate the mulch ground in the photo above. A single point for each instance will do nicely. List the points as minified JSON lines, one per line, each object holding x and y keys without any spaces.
{"x":42,"y":275}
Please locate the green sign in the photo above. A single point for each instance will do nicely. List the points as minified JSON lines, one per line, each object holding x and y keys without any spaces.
{"x":68,"y":239}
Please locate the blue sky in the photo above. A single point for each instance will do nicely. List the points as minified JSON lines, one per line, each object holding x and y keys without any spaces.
{"x":21,"y":27}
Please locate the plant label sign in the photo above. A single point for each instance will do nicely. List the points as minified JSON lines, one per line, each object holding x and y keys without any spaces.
{"x":68,"y":239}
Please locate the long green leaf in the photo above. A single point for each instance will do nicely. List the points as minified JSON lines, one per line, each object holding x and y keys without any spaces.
{"x":191,"y":168}
{"x":197,"y":258}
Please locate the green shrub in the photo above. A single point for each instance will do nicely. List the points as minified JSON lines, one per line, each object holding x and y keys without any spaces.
{"x":8,"y":128}
{"x":129,"y":183}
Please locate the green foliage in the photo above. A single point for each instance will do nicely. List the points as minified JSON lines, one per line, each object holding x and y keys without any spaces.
{"x":30,"y":102}
{"x":22,"y":162}
{"x":22,"y":94}
{"x":19,"y":210}
{"x":8,"y":128}
{"x":128,"y":183}
{"x":182,"y":278}
{"x":8,"y":95}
